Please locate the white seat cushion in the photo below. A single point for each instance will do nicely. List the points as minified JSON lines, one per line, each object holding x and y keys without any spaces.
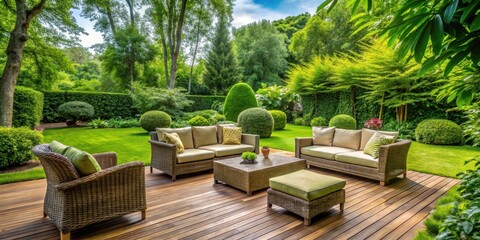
{"x":222,"y":150}
{"x":193,"y":155}
{"x":326,"y":152}
{"x":357,"y":158}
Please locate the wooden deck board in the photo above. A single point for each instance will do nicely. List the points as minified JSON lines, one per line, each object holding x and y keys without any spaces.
{"x":193,"y":207}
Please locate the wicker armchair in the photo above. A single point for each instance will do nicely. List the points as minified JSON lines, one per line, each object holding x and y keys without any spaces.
{"x":73,"y":202}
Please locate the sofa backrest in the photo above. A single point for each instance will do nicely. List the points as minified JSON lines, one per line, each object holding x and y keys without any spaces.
{"x":347,"y":138}
{"x":185,"y":135}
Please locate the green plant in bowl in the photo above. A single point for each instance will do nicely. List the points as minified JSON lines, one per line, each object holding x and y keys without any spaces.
{"x":249,"y":156}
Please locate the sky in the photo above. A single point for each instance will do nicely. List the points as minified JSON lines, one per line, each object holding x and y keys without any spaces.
{"x":244,"y":12}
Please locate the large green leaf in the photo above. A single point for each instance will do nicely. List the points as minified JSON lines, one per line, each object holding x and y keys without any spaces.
{"x":422,"y":43}
{"x":475,"y":24}
{"x":437,"y":34}
{"x":468,"y":11}
{"x":450,"y":11}
{"x":455,"y":61}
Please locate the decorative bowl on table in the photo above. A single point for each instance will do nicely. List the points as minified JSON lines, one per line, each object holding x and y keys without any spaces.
{"x":249,"y":158}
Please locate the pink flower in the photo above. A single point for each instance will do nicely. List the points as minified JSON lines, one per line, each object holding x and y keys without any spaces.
{"x":373,"y":123}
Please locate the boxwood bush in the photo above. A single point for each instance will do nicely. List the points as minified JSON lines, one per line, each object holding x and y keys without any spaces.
{"x":298,"y":121}
{"x":439,"y":132}
{"x":343,"y":121}
{"x":318,"y":122}
{"x":198,"y":121}
{"x":256,"y":121}
{"x":155,"y":119}
{"x":16,"y":145}
{"x":27,"y":107}
{"x":76,"y":110}
{"x":239,"y":98}
{"x":279,"y":119}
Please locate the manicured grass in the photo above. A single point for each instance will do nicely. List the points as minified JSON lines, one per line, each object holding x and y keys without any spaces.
{"x":132,"y":144}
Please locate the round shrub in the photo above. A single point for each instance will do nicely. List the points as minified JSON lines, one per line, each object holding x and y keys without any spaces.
{"x":198,"y":121}
{"x":439,"y":132}
{"x":318,"y":122}
{"x":76,"y":110}
{"x":16,"y":145}
{"x":239,"y":98}
{"x":218,"y":118}
{"x":343,"y":121}
{"x":155,"y":119}
{"x":256,"y":121}
{"x":298,"y":121}
{"x":279,"y":119}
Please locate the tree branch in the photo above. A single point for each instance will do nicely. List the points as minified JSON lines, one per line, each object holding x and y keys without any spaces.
{"x":35,"y":10}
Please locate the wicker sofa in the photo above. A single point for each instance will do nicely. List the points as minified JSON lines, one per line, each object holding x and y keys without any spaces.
{"x":392,"y":160}
{"x":197,"y":156}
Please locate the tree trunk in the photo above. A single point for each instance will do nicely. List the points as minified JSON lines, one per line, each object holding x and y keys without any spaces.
{"x":132,"y":14}
{"x":16,"y":43}
{"x":177,"y":42}
{"x":110,"y":20}
{"x":132,"y":77}
{"x":194,"y":52}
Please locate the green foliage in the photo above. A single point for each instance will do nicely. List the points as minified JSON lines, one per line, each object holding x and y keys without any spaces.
{"x":114,"y":123}
{"x":171,"y":101}
{"x":256,"y":121}
{"x":318,"y":122}
{"x":249,"y":156}
{"x":298,"y":121}
{"x":405,"y":130}
{"x":439,"y":132}
{"x":198,"y":121}
{"x":471,"y":126}
{"x":106,"y":105}
{"x":16,"y":145}
{"x":218,"y":118}
{"x":76,"y":110}
{"x":261,"y":53}
{"x":276,"y":97}
{"x":221,"y":67}
{"x":343,"y":121}
{"x":279,"y":119}
{"x":27,"y":107}
{"x":239,"y":98}
{"x":205,"y":102}
{"x":155,"y":119}
{"x":291,"y":24}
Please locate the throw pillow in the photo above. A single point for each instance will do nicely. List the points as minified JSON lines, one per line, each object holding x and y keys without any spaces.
{"x":84,"y":162}
{"x":368,"y":133}
{"x":323,"y":135}
{"x":174,"y":139}
{"x":347,"y":138}
{"x":232,"y":135}
{"x":185,"y":135}
{"x":57,"y":147}
{"x":203,"y":136}
{"x":372,"y":147}
{"x":220,"y":130}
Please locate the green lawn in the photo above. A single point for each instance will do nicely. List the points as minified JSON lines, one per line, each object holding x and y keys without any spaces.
{"x":132,"y":144}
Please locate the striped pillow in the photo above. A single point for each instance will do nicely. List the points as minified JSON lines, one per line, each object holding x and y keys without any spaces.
{"x":173,"y":138}
{"x":372,"y":147}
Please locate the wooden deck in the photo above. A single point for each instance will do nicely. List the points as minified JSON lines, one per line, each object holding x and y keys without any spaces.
{"x":194,"y":207}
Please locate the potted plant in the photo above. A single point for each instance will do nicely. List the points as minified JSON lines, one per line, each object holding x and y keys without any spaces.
{"x":265,"y":151}
{"x":249,"y":157}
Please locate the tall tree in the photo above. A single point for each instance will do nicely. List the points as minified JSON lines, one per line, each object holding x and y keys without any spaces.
{"x":261,"y":53}
{"x":221,"y":68}
{"x":57,"y":16}
{"x":168,"y":18}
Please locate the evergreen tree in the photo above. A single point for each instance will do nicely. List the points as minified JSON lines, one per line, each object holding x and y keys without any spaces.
{"x":221,"y":65}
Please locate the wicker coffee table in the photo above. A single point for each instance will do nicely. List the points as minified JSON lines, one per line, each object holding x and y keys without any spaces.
{"x":252,"y":177}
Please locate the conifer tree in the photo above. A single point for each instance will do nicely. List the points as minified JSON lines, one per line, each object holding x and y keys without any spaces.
{"x":221,"y":65}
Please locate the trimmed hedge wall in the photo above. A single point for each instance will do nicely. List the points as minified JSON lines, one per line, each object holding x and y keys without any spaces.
{"x":106,"y":105}
{"x":27,"y":107}
{"x":202,"y":102}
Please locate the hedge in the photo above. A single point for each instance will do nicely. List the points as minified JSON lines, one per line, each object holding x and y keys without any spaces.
{"x":202,"y":102}
{"x":16,"y":145}
{"x":106,"y":105}
{"x":27,"y":107}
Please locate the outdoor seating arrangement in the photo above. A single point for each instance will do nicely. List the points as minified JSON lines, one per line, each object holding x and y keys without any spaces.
{"x":202,"y":146}
{"x":344,"y":151}
{"x":73,"y":201}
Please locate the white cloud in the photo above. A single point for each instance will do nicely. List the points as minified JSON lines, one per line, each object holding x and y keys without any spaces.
{"x":93,"y":36}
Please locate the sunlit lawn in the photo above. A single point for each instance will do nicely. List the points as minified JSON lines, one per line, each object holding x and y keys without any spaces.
{"x":132,"y":144}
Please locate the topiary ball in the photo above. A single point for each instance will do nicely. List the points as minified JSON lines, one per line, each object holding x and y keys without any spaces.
{"x":198,"y":121}
{"x":298,"y":121}
{"x":318,"y":122}
{"x":343,"y":121}
{"x":155,"y":119}
{"x":76,"y":110}
{"x":439,"y":132}
{"x":279,"y":119}
{"x":239,"y":98}
{"x":256,"y":121}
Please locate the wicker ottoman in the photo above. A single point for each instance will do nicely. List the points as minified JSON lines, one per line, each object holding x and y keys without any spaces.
{"x":306,"y":193}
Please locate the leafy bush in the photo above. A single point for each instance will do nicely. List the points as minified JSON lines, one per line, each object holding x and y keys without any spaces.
{"x":76,"y":110}
{"x":114,"y":123}
{"x":249,"y":156}
{"x":276,"y":97}
{"x":27,"y":107}
{"x":16,"y":145}
{"x":207,"y":114}
{"x":256,"y":121}
{"x":471,"y":126}
{"x":439,"y":132}
{"x":298,"y":121}
{"x":198,"y":121}
{"x":226,"y":122}
{"x":205,"y":102}
{"x":218,"y":106}
{"x":171,"y":101}
{"x":218,"y":118}
{"x":279,"y":119}
{"x":179,"y":124}
{"x":239,"y":98}
{"x":318,"y":122}
{"x":343,"y":121}
{"x":155,"y":119}
{"x":405,"y":130}
{"x":106,"y":105}
{"x":307,"y":118}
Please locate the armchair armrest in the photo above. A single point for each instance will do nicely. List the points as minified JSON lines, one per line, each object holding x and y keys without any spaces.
{"x":253,"y":140}
{"x":129,"y":172}
{"x":164,"y":157}
{"x":301,"y":142}
{"x":392,"y":160}
{"x":106,"y":160}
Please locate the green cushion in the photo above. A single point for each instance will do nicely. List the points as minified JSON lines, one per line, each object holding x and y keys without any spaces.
{"x":57,"y":147}
{"x":84,"y":162}
{"x":306,"y":185}
{"x":372,"y":147}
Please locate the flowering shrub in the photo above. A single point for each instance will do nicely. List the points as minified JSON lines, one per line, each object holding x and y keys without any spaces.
{"x":373,"y":123}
